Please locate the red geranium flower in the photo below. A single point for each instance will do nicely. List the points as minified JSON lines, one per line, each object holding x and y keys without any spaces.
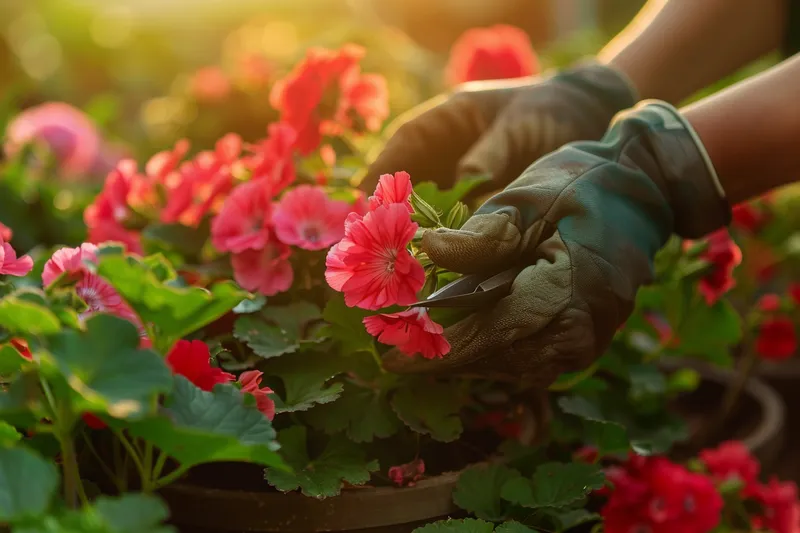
{"x":306,"y":217}
{"x":392,"y":189}
{"x":500,"y":422}
{"x":794,"y":292}
{"x":724,"y":256}
{"x":749,"y":217}
{"x":245,"y":220}
{"x":731,"y":460}
{"x":192,"y":360}
{"x":267,"y":271}
{"x":105,"y":218}
{"x":251,"y":381}
{"x":494,"y":53}
{"x":327,"y":94}
{"x":407,"y":475}
{"x":781,"y":511}
{"x":411,"y":331}
{"x":271,"y":159}
{"x":21,"y":346}
{"x":769,"y":303}
{"x":372,"y":265}
{"x":777,"y":339}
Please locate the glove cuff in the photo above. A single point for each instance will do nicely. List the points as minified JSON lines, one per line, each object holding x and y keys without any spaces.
{"x":695,"y":193}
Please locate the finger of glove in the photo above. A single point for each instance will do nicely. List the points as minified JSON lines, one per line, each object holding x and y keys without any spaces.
{"x":429,"y":145}
{"x":539,"y":293}
{"x":485,"y":243}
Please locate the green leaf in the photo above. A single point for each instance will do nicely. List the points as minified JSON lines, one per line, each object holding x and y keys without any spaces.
{"x":709,"y":332}
{"x":132,"y":513}
{"x":264,"y":339}
{"x":646,"y":380}
{"x":174,"y":312}
{"x":105,"y":366}
{"x":346,"y":327}
{"x":186,"y":241}
{"x":445,"y":200}
{"x":573,"y":518}
{"x":431,"y":409}
{"x":250,"y":305}
{"x":204,"y":427}
{"x":468,"y":525}
{"x":293,"y":318}
{"x":20,"y":315}
{"x":27,"y":484}
{"x":513,"y":527}
{"x":608,"y":436}
{"x":478,"y":491}
{"x":364,"y":414}
{"x":554,"y":485}
{"x":11,"y":360}
{"x":8,"y":434}
{"x":324,"y":475}
{"x":305,"y":376}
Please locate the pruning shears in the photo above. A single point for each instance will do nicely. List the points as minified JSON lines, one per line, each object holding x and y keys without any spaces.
{"x":474,"y":290}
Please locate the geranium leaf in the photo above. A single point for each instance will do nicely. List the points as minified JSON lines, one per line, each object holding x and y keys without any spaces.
{"x":264,"y":339}
{"x":174,"y":312}
{"x":250,"y":305}
{"x":478,"y":490}
{"x":364,"y":414}
{"x":27,"y":484}
{"x":8,"y":434}
{"x":467,"y":525}
{"x":573,"y":518}
{"x":513,"y":527}
{"x":709,"y":332}
{"x":177,"y":238}
{"x":21,"y":315}
{"x":324,"y":475}
{"x":203,"y":427}
{"x":608,"y":436}
{"x":345,"y":326}
{"x":554,"y":485}
{"x":305,"y":376}
{"x":11,"y":360}
{"x":646,"y":381}
{"x":445,"y":200}
{"x":105,"y":366}
{"x":293,"y":318}
{"x":431,"y":409}
{"x":132,"y":513}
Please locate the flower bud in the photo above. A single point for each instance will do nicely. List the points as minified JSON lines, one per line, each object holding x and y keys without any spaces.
{"x":424,"y":214}
{"x":457,"y":216}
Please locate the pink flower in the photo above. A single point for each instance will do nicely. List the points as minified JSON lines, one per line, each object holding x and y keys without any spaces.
{"x":10,"y":264}
{"x":5,"y":232}
{"x":307,"y":218}
{"x":66,"y":131}
{"x":392,"y":189}
{"x":266,"y":271}
{"x":244,"y":221}
{"x":411,"y":331}
{"x":372,"y":265}
{"x":210,"y":84}
{"x":192,"y":360}
{"x":497,"y":52}
{"x":408,"y":474}
{"x":251,"y":381}
{"x":70,"y":261}
{"x":272,"y":159}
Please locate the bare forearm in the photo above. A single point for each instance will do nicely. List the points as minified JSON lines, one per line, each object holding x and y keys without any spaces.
{"x":676,"y":47}
{"x":751,"y":131}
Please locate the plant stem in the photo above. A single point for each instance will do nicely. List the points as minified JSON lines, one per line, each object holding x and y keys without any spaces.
{"x":72,"y":478}
{"x":749,"y":363}
{"x":106,"y":469}
{"x":169,"y":478}
{"x":147,"y":477}
{"x":132,"y":453}
{"x":377,"y":358}
{"x":577,"y":378}
{"x":160,"y":462}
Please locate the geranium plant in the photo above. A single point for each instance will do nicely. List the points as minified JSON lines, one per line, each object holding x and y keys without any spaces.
{"x":234,"y":306}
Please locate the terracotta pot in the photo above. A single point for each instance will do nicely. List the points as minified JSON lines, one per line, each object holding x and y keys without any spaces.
{"x":759,"y":420}
{"x":366,"y":510}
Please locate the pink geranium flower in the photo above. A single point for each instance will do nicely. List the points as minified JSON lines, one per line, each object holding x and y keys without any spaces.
{"x":411,"y":331}
{"x":272,"y":158}
{"x":251,"y":381}
{"x":307,"y":218}
{"x":266,"y":271}
{"x":10,"y":264}
{"x":392,"y":189}
{"x":245,"y":219}
{"x":372,"y":265}
{"x":5,"y":232}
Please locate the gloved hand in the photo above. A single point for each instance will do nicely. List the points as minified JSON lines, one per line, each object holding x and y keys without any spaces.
{"x":497,"y":128}
{"x":588,"y":219}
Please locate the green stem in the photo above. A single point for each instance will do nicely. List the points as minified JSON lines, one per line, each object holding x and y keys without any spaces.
{"x":72,"y":479}
{"x":106,"y":469}
{"x":577,"y":378}
{"x":132,"y":453}
{"x":160,"y":462}
{"x":377,"y":358}
{"x":147,"y":464}
{"x":169,"y":478}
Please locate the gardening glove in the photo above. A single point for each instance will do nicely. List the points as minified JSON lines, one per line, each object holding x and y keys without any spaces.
{"x":495,"y":129}
{"x":586,"y":222}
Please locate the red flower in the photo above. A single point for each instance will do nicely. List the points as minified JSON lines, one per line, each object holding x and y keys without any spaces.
{"x":267,"y":271}
{"x":210,"y":84}
{"x":69,"y":134}
{"x":105,"y":218}
{"x":724,"y":256}
{"x":781,"y":511}
{"x":192,"y":360}
{"x":271,"y":159}
{"x":5,"y":232}
{"x":93,"y":421}
{"x":372,"y":265}
{"x":748,"y":217}
{"x":731,"y":460}
{"x":497,"y":52}
{"x":307,"y":218}
{"x":392,"y":189}
{"x":407,"y":475}
{"x":411,"y":331}
{"x":21,"y":345}
{"x":777,"y":339}
{"x":658,"y":496}
{"x":794,"y":292}
{"x":769,"y":303}
{"x":587,"y":454}
{"x":500,"y":422}
{"x":326,"y":94}
{"x":10,"y":264}
{"x":250,"y":381}
{"x":244,"y":221}
{"x":254,"y":71}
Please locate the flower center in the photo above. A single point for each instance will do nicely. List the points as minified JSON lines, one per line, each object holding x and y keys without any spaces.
{"x":390,"y":257}
{"x":312,"y":233}
{"x":92,"y":298}
{"x":689,"y":504}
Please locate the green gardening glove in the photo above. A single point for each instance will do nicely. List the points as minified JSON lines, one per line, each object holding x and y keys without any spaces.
{"x":588,"y":219}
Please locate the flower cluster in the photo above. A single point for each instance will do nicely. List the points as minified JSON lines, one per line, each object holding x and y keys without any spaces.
{"x":777,"y":331}
{"x":655,"y":494}
{"x":723,"y":256}
{"x":374,"y":269}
